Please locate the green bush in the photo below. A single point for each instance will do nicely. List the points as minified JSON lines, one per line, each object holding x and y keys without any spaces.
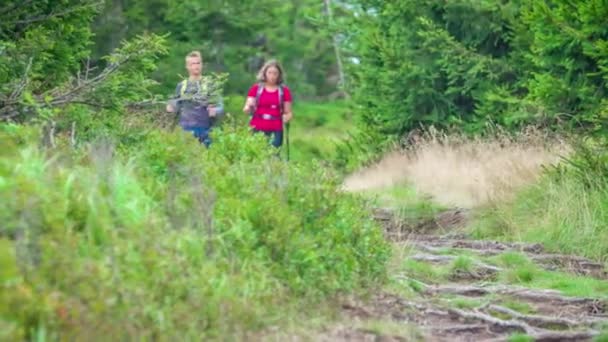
{"x":162,"y":238}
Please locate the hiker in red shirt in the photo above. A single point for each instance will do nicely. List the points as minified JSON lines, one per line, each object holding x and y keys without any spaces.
{"x":269,"y":103}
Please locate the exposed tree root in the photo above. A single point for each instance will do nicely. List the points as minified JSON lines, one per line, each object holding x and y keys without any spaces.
{"x":544,"y":321}
{"x":514,"y":291}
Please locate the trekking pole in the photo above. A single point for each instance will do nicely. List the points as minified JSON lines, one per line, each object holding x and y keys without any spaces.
{"x":287,"y":139}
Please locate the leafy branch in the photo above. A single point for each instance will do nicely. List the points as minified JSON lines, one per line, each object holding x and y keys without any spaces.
{"x":87,"y":87}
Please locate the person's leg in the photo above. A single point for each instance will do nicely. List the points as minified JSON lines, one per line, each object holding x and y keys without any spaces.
{"x":277,"y":139}
{"x":267,"y":134}
{"x":194,"y":130}
{"x":200,"y":133}
{"x":205,"y":136}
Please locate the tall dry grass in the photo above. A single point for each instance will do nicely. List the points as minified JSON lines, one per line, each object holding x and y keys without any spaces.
{"x":464,"y":172}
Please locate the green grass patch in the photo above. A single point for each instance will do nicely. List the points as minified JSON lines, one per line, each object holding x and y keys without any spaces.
{"x":521,"y":275}
{"x":518,"y":269}
{"x":571,"y":285}
{"x":603,"y":337}
{"x":424,"y":272}
{"x":406,"y":201}
{"x":334,"y":115}
{"x":511,"y":260}
{"x":462,"y":264}
{"x":318,"y":127}
{"x":561,"y":211}
{"x":519,"y":306}
{"x":520,"y":338}
{"x":461,"y":302}
{"x":399,"y":281}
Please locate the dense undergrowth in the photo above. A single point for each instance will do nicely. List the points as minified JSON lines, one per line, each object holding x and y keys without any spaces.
{"x":161,"y":238}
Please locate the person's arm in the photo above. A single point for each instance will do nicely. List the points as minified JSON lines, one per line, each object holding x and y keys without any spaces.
{"x":250,"y":101}
{"x":287,"y":112}
{"x":219,"y":107}
{"x":170,"y":106}
{"x":287,"y":105}
{"x":217,"y":110}
{"x":173,"y":103}
{"x":249,"y":104}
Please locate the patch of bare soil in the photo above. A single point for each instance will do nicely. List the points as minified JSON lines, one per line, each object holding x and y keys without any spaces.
{"x":396,"y":229}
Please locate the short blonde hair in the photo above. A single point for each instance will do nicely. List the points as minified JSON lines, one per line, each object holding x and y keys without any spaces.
{"x":271,"y":63}
{"x":194,"y":54}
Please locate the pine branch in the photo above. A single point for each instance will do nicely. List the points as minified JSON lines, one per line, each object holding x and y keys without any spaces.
{"x":53,"y":15}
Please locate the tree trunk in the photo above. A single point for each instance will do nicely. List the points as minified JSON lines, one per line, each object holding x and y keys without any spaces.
{"x":341,"y":82}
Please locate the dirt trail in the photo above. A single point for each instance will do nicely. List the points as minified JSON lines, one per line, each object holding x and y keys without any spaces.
{"x":446,"y":286}
{"x":486,"y":311}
